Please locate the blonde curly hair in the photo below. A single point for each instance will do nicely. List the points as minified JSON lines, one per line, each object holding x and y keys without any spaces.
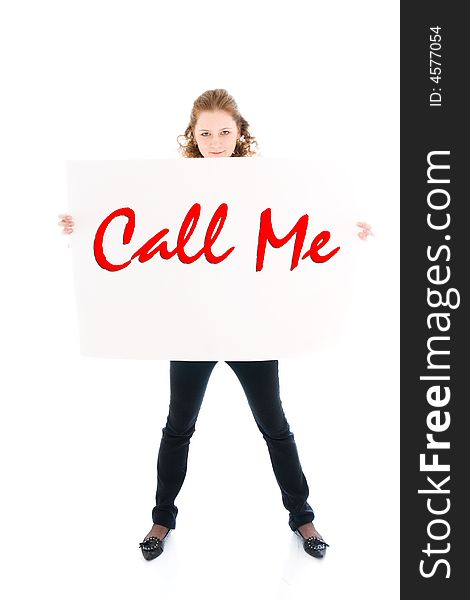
{"x":211,"y":100}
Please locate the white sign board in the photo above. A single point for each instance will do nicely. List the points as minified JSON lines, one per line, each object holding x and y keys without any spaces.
{"x":191,"y":259}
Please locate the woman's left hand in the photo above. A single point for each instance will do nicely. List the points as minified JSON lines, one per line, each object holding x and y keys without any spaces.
{"x":366,"y":230}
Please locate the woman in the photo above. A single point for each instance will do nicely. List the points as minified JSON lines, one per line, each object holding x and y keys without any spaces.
{"x":216,"y":130}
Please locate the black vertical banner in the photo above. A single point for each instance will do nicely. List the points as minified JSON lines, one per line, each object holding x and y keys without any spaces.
{"x":435,"y":436}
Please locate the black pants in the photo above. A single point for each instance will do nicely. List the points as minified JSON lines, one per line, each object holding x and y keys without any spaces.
{"x":260,"y":381}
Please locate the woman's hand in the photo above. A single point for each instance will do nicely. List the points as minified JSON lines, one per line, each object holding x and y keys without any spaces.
{"x":66,"y":221}
{"x":365,"y":230}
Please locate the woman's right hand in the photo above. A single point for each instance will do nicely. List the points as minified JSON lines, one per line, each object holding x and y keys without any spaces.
{"x":66,"y":221}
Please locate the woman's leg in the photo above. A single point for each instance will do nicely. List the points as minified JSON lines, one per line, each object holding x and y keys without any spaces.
{"x":188,"y":382}
{"x":260,"y":381}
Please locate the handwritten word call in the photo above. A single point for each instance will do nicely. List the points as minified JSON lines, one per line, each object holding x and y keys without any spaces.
{"x":157,"y":245}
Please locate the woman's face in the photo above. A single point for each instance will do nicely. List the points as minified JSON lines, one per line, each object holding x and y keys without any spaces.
{"x":216,"y":134}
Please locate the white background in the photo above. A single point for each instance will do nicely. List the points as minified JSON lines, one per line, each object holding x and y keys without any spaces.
{"x":79,"y":437}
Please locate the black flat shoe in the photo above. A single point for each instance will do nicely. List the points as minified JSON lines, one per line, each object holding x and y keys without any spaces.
{"x":152,"y":546}
{"x":314,"y":546}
